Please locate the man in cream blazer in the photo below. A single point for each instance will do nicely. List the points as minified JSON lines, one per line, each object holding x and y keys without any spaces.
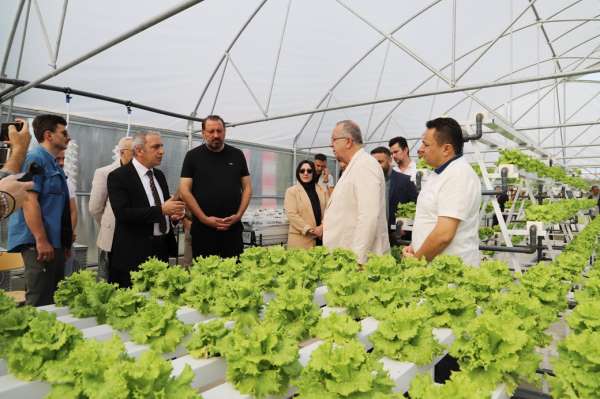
{"x":100,"y":208}
{"x":355,"y":217}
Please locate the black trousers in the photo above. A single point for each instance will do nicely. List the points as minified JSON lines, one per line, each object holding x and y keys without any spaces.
{"x":42,"y":278}
{"x":207,"y":241}
{"x":159,"y":249}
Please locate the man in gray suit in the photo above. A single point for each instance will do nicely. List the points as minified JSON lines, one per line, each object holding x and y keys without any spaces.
{"x":100,"y":205}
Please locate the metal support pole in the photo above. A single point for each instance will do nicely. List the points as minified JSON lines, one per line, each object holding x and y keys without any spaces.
{"x":60,"y":32}
{"x":212,"y":110}
{"x":453,"y":70}
{"x":379,"y":79}
{"x":36,"y":7}
{"x":15,"y":90}
{"x":532,"y":2}
{"x":285,"y":22}
{"x":20,"y":59}
{"x":190,"y":129}
{"x":225,"y":53}
{"x":450,"y":90}
{"x":294,"y":161}
{"x":11,"y":37}
{"x":239,"y":73}
{"x":102,"y":98}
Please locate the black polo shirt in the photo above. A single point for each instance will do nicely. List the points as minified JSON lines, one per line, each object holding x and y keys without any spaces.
{"x":216,"y":178}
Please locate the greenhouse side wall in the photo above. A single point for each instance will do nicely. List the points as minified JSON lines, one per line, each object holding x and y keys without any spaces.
{"x":270,"y":168}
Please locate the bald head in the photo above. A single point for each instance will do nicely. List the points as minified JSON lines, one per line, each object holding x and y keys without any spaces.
{"x":125,"y":150}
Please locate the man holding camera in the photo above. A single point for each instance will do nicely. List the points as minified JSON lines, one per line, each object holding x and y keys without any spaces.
{"x":42,"y":230}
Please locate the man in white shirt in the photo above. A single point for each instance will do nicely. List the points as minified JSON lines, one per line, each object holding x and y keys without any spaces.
{"x":447,"y":216}
{"x":355,"y":216}
{"x":401,"y":154}
{"x":325,"y":178}
{"x":100,"y":208}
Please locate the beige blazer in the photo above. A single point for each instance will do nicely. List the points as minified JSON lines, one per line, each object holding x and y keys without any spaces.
{"x":355,"y":215}
{"x":300,"y":215}
{"x":100,"y":208}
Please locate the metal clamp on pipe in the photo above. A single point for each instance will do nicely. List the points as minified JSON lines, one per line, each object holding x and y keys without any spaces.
{"x":530,"y":249}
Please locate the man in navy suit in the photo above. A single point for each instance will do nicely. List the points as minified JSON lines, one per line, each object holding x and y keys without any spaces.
{"x":144,"y":210}
{"x":398,"y":187}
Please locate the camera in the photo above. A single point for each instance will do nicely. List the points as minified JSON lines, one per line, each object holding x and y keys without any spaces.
{"x":34,"y":169}
{"x":4,"y":129}
{"x":5,"y":147}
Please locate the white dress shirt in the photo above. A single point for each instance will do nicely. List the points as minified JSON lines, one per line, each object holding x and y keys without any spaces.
{"x":142,"y":170}
{"x":411,"y":170}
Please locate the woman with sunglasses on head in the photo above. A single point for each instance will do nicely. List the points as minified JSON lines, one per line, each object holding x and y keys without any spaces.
{"x":305,"y":204}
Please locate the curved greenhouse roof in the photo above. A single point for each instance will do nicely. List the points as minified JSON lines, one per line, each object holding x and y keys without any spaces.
{"x":259,"y":63}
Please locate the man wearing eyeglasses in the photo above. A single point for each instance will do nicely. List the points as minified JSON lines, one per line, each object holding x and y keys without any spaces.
{"x":42,"y":230}
{"x":216,"y":188}
{"x":100,"y":208}
{"x":355,"y":217}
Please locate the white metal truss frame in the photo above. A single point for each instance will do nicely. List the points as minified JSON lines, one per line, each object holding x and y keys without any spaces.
{"x":451,"y":80}
{"x":13,"y":91}
{"x":424,"y":82}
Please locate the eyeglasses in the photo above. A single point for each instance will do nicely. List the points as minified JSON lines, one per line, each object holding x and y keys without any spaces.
{"x":307,"y":171}
{"x":337,"y":138}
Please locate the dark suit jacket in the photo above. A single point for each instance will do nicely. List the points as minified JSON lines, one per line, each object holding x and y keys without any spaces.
{"x":402,"y":190}
{"x":134,"y":218}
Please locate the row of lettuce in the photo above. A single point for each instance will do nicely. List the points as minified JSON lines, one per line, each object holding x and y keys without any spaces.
{"x":498,"y":320}
{"x":533,"y":165}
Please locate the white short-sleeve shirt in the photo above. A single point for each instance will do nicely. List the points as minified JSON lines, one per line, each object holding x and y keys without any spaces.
{"x":454,"y":193}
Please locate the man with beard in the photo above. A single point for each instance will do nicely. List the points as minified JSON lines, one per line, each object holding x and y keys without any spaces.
{"x":216,"y":187}
{"x":42,"y":230}
{"x":398,"y":190}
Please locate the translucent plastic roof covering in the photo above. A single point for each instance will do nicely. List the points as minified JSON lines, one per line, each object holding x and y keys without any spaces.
{"x":296,"y":56}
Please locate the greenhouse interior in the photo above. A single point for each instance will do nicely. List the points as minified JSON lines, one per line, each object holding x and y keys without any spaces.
{"x":314,"y":199}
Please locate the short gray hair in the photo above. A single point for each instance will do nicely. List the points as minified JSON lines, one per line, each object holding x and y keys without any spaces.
{"x":140,"y":139}
{"x":125,"y":143}
{"x":351,"y":129}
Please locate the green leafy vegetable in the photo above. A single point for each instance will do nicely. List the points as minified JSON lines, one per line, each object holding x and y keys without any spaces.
{"x":158,"y":326}
{"x":336,"y":327}
{"x":46,"y":342}
{"x":261,"y":359}
{"x":206,"y":338}
{"x":406,"y":335}
{"x":494,"y":348}
{"x":343,"y":370}
{"x":170,"y":284}
{"x":145,"y":278}
{"x":406,"y":210}
{"x":294,"y":311}
{"x":348,"y":289}
{"x":121,"y":308}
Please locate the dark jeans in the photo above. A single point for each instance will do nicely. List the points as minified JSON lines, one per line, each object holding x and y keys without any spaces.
{"x":42,"y":278}
{"x":207,"y":241}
